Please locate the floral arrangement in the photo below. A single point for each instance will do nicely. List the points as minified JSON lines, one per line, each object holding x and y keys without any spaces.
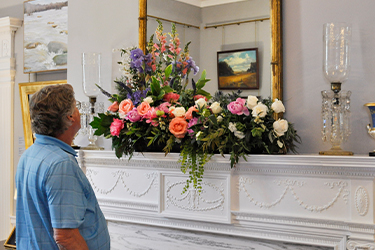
{"x":155,"y":108}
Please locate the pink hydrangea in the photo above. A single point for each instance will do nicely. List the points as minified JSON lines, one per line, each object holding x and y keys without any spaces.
{"x":238,"y":107}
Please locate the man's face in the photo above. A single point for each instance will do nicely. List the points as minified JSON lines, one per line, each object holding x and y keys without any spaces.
{"x":76,"y":120}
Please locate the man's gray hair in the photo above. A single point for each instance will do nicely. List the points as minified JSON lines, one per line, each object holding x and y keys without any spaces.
{"x":50,"y":108}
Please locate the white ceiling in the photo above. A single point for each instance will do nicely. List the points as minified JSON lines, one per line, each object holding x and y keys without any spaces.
{"x":206,"y":3}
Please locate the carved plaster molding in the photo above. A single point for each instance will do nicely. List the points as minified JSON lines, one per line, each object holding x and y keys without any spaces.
{"x":150,"y":163}
{"x":195,"y":200}
{"x":145,"y":207}
{"x":263,"y":164}
{"x":5,"y":48}
{"x":308,"y":171}
{"x":288,"y":185}
{"x":311,"y":223}
{"x":119,"y":178}
{"x":352,"y":245}
{"x":361,"y":201}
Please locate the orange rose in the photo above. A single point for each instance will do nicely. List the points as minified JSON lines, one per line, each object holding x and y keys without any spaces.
{"x":178,"y":127}
{"x":143,"y":108}
{"x":189,"y":113}
{"x":125,"y":106}
{"x":114,"y":107}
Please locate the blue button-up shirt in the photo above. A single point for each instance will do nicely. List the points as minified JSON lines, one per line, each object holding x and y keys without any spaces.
{"x":53,"y":192}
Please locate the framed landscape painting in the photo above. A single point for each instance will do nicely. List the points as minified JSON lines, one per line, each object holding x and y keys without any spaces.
{"x":45,"y":36}
{"x":238,"y":69}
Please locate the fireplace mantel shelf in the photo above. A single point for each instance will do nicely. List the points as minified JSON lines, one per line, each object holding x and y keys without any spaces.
{"x":307,"y":199}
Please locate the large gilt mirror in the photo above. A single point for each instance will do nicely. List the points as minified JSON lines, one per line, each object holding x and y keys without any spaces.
{"x":227,"y":25}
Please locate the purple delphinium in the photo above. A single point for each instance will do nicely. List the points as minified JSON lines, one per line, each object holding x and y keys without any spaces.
{"x":139,"y":61}
{"x":192,"y":65}
{"x":138,"y":96}
{"x":136,"y":54}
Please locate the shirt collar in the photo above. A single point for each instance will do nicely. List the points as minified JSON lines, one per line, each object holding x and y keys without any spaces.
{"x":49,"y":140}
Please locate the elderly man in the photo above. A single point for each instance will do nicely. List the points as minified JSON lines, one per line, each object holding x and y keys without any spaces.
{"x":56,"y":205}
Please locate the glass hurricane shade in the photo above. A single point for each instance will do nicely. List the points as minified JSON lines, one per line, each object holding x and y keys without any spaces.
{"x":91,"y":63}
{"x":336,"y":58}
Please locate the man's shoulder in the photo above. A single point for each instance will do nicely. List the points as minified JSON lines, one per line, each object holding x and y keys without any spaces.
{"x":51,"y":154}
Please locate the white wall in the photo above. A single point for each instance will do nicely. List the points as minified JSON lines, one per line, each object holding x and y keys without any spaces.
{"x":303,"y":78}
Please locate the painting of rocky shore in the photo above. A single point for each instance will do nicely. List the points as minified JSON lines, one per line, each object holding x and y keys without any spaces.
{"x":45,"y":35}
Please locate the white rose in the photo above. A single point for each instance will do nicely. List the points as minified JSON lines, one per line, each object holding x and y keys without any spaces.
{"x":280,"y":126}
{"x":278,"y":106}
{"x":215,"y":107}
{"x":251,"y":101}
{"x":179,"y":112}
{"x":201,"y":103}
{"x":198,"y":134}
{"x":232,"y":127}
{"x":260,"y":110}
{"x":239,"y":134}
{"x":219,"y":118}
{"x":148,"y":99}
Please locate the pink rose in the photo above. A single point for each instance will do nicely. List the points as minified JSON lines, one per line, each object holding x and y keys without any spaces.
{"x":133,"y":115}
{"x":116,"y":126}
{"x":125,"y":106}
{"x":238,"y":107}
{"x":171,"y":97}
{"x":114,"y":107}
{"x":143,"y":108}
{"x":189,"y":113}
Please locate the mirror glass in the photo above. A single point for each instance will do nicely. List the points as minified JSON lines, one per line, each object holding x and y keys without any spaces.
{"x":205,"y":24}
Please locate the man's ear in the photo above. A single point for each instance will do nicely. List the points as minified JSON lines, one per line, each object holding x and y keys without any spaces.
{"x":70,"y":118}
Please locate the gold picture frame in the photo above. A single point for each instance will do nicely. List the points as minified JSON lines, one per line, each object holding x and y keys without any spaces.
{"x":10,"y":243}
{"x":27,"y":89}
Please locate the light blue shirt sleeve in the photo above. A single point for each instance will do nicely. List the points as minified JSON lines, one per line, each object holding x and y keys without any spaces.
{"x":66,"y":195}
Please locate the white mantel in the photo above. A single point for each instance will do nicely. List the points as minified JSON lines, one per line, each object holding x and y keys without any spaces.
{"x":308,"y":199}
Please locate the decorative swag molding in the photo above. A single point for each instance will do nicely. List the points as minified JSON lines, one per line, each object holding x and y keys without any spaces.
{"x":316,"y":200}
